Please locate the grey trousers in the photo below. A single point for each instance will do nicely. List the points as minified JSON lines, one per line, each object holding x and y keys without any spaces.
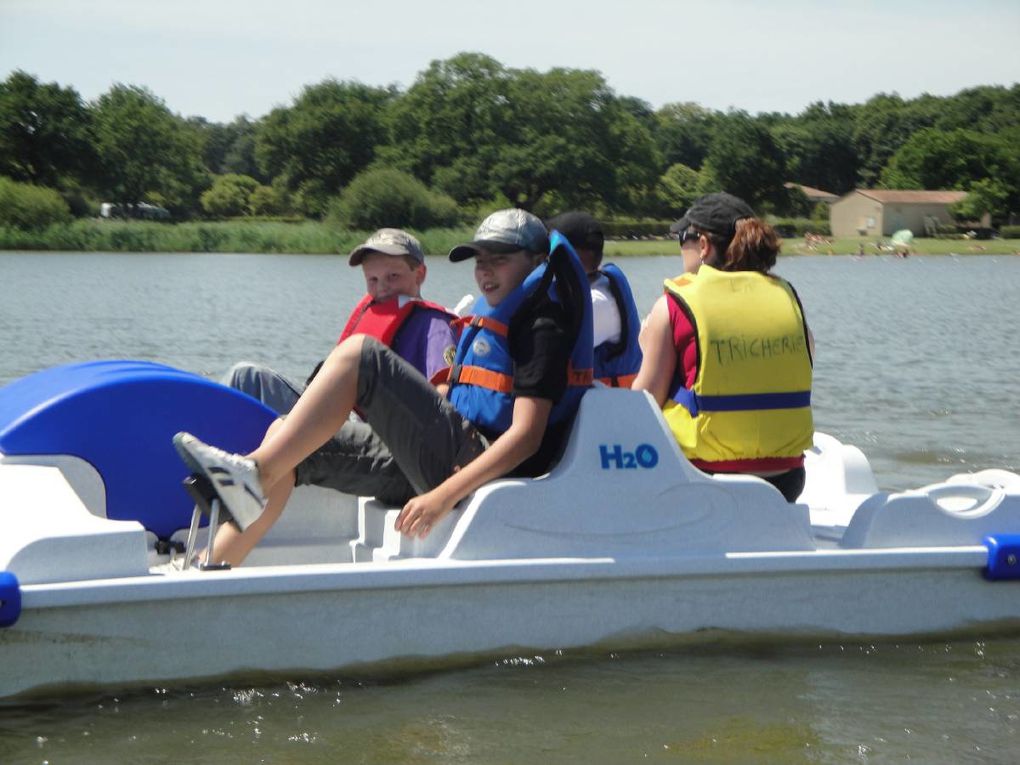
{"x":265,"y":384}
{"x":410,"y":442}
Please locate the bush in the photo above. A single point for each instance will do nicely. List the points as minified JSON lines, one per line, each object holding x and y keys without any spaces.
{"x":1010,"y":232}
{"x":944,"y":231}
{"x":29,"y":207}
{"x":229,"y":195}
{"x":386,"y":197}
{"x":793,"y":227}
{"x":267,"y":201}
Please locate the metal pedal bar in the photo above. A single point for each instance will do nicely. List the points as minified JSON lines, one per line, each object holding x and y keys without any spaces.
{"x":208,"y":503}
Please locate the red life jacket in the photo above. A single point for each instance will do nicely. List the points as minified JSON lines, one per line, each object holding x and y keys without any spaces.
{"x":384,"y":320}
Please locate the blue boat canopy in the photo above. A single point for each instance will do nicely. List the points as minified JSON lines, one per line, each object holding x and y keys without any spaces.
{"x":120,"y":417}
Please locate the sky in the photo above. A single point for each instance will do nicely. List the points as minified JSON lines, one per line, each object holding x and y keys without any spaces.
{"x":222,"y":58}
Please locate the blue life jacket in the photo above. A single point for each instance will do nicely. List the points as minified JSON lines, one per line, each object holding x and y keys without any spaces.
{"x":617,"y":364}
{"x":481,"y":379}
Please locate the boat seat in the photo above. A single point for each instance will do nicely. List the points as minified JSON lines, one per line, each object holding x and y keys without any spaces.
{"x":947,"y":514}
{"x":624,"y":489}
{"x":58,"y":539}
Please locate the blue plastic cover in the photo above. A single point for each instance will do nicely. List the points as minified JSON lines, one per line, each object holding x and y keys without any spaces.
{"x":10,"y":599}
{"x":120,"y":416}
{"x":1003,"y":556}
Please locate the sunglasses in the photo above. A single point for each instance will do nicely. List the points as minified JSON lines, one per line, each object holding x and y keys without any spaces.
{"x":689,"y":235}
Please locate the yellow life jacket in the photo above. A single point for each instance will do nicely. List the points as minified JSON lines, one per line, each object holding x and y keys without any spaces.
{"x":751,"y":397}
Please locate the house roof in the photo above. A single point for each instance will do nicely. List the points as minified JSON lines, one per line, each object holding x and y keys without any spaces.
{"x":908,"y":196}
{"x":813,"y":193}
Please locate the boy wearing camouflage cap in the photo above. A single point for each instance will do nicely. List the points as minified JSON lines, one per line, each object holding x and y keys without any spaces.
{"x":392,"y":311}
{"x":436,"y":455}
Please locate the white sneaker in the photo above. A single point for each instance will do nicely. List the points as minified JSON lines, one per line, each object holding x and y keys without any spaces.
{"x":234,"y":478}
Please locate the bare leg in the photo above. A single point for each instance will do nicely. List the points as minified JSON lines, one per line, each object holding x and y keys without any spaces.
{"x":233,"y":545}
{"x":318,"y":414}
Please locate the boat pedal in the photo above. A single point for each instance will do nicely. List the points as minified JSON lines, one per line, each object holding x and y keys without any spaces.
{"x":201,"y":490}
{"x":206,"y":503}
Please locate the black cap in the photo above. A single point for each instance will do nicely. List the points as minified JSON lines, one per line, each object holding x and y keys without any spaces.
{"x":717,"y":213}
{"x":580,"y":229}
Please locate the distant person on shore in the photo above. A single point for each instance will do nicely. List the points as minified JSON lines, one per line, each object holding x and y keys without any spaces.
{"x":614,"y":314}
{"x":392,"y":311}
{"x":521,"y":367}
{"x":728,"y":353}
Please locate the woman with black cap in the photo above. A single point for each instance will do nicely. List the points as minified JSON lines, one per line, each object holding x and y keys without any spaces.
{"x":727,"y":351}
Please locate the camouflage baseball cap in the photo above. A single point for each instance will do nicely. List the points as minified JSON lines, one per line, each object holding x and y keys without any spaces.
{"x":388,"y":241}
{"x":505,"y":231}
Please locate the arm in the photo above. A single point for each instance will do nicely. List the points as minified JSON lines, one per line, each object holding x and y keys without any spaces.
{"x":520,"y":441}
{"x":541,"y":352}
{"x":659,"y":362}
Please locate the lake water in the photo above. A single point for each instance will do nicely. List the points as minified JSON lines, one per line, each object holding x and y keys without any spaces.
{"x":917,"y":363}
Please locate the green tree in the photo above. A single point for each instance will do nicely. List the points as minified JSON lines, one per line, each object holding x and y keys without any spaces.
{"x":447,"y":129}
{"x":677,"y":189}
{"x":147,"y":152}
{"x":989,"y":109}
{"x":744,"y":160}
{"x":477,"y":130}
{"x":985,"y":196}
{"x":44,"y":133}
{"x":683,"y":132}
{"x":575,"y":137}
{"x":229,"y":196}
{"x":228,"y":148}
{"x":327,"y":136}
{"x":240,"y":153}
{"x":936,"y":159}
{"x":882,"y":126}
{"x":818,"y":146}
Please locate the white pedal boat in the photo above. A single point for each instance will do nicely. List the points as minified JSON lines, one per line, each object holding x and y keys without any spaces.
{"x":624,"y":543}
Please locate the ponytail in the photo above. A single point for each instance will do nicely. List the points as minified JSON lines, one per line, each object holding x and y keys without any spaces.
{"x":753,"y":248}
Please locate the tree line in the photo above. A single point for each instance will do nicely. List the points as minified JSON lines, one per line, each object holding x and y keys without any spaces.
{"x":470,"y":134}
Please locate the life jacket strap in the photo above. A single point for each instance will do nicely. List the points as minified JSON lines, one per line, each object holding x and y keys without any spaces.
{"x":618,"y":381}
{"x":483,"y":378}
{"x":581,"y":378}
{"x":482,"y":322}
{"x":746,"y":402}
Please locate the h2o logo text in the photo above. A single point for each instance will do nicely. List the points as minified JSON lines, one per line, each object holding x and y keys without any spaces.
{"x":614,"y":457}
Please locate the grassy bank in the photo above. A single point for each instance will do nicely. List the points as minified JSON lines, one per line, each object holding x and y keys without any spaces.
{"x":257,"y":237}
{"x":310,"y":238}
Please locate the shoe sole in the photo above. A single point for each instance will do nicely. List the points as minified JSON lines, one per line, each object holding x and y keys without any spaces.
{"x":188,"y":458}
{"x":197,"y":467}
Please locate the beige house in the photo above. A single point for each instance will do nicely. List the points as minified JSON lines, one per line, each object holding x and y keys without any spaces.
{"x":882,"y":212}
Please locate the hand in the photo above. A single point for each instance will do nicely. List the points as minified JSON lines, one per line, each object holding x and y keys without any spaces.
{"x":421,"y":513}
